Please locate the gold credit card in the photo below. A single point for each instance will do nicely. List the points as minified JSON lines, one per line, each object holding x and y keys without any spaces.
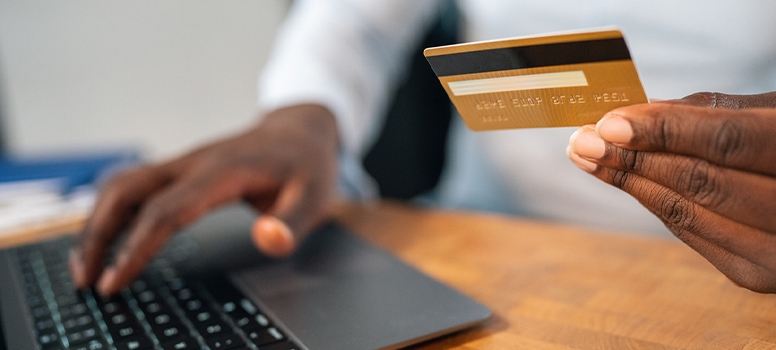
{"x":541,"y":81}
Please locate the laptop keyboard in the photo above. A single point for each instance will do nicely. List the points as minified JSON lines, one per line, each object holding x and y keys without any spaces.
{"x":161,"y":311}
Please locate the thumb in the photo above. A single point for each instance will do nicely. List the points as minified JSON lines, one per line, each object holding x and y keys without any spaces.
{"x":298,"y":209}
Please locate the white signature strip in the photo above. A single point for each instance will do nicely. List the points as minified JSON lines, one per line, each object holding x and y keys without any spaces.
{"x":521,"y":82}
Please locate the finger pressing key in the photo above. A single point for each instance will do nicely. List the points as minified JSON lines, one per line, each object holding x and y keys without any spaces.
{"x":115,"y":206}
{"x":167,"y":212}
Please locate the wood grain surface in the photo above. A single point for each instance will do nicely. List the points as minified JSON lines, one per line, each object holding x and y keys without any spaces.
{"x":556,"y":287}
{"x":44,"y":230}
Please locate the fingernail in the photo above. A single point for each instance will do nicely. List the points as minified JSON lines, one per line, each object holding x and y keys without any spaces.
{"x":283,"y":237}
{"x":587,"y":144}
{"x":614,"y":129}
{"x":583,"y":164}
{"x":273,"y":236}
{"x":282,"y":231}
{"x":106,"y":283}
{"x":77,"y":269}
{"x":574,"y":136}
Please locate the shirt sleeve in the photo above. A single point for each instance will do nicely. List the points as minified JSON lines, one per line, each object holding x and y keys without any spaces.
{"x":346,"y":55}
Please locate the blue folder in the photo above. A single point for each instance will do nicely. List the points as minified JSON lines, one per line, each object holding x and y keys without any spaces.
{"x":73,"y":169}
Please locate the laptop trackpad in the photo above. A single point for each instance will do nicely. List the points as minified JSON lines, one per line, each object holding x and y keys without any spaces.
{"x":340,"y":293}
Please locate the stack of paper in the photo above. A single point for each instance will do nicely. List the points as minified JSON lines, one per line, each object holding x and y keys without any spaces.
{"x":40,"y":197}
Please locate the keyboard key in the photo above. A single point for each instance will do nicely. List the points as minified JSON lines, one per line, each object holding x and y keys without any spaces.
{"x":171,"y":332}
{"x":194,"y":306}
{"x":96,"y":344}
{"x":139,"y":286}
{"x":224,"y":343}
{"x":44,"y":324}
{"x":154,"y":308}
{"x":83,"y":336}
{"x":33,"y":290}
{"x":62,"y":289}
{"x":78,"y":323}
{"x":213,"y":329}
{"x":121,"y":320}
{"x":114,"y":307}
{"x":41,"y":312}
{"x":168,"y":274}
{"x":202,"y":317}
{"x":229,"y":307}
{"x":234,"y":310}
{"x":181,"y":344}
{"x":49,"y":338}
{"x":69,"y":299}
{"x":282,"y":346}
{"x":262,"y":320}
{"x":248,"y":306}
{"x":140,"y":343}
{"x":111,"y":305}
{"x":62,"y":278}
{"x":35,"y":301}
{"x":265,"y":336}
{"x":145,"y":297}
{"x":246,"y":323}
{"x":176,"y":284}
{"x":184,"y":294}
{"x":163,"y":320}
{"x":129,"y":331}
{"x":73,"y":311}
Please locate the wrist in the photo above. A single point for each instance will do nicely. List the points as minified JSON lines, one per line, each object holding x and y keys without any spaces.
{"x":311,"y":119}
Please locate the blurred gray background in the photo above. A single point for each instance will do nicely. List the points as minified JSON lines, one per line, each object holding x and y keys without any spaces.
{"x":160,"y":75}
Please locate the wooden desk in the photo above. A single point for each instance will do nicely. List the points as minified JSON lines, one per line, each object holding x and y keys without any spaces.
{"x":43,"y":230}
{"x":555,"y":287}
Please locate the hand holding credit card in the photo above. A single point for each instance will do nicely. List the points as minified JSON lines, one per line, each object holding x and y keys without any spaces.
{"x":541,"y":81}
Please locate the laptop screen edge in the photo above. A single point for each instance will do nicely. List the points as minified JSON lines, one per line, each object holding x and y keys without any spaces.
{"x":15,"y":321}
{"x":2,"y":331}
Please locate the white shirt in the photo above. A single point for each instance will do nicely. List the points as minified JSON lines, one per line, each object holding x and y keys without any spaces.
{"x":349,"y":54}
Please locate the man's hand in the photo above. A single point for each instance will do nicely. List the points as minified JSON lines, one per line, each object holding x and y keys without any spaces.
{"x":286,"y":168}
{"x":708,"y":173}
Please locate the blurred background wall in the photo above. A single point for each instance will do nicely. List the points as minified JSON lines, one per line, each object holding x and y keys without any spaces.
{"x":160,"y":75}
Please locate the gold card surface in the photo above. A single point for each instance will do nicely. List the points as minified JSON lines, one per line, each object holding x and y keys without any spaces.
{"x":542,"y":81}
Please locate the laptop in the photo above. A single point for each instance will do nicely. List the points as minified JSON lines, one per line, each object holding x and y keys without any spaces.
{"x":210,"y":289}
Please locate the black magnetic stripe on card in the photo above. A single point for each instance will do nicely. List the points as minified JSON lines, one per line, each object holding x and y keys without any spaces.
{"x":544,"y":55}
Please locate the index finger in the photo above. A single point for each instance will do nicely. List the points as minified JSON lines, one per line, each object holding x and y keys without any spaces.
{"x":742,"y":139}
{"x":183,"y":202}
{"x":113,"y":210}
